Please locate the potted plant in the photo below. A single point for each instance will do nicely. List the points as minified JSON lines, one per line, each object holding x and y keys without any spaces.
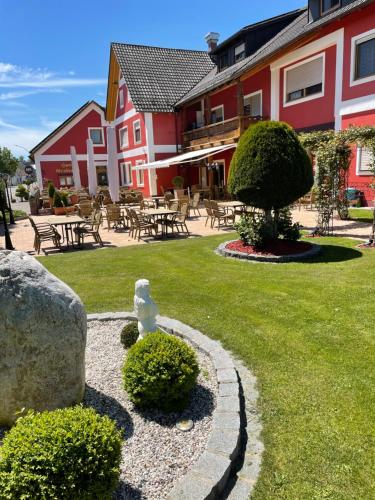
{"x":58,"y":205}
{"x":34,"y":198}
{"x":22,"y":193}
{"x":66,"y":202}
{"x":178,"y":182}
{"x":51,"y":192}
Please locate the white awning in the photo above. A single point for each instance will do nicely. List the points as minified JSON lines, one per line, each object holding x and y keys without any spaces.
{"x":185,"y":157}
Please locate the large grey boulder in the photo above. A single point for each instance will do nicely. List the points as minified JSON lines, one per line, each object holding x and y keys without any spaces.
{"x":42,"y":339}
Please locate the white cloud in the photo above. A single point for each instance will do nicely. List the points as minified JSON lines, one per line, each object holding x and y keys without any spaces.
{"x":27,"y":137}
{"x":12,"y":76}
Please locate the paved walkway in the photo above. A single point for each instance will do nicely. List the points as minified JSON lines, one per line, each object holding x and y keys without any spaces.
{"x":22,"y":234}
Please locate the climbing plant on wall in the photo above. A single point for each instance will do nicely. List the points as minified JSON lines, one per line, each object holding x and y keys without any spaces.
{"x":333,"y":153}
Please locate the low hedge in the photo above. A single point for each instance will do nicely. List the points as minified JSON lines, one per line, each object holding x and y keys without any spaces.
{"x":61,"y":454}
{"x":160,"y":371}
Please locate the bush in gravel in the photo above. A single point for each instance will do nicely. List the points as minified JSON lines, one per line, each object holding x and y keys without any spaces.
{"x":129,"y":334}
{"x":61,"y":454}
{"x":160,"y":372}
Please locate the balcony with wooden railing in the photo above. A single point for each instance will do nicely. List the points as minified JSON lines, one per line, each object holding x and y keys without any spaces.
{"x":224,"y":132}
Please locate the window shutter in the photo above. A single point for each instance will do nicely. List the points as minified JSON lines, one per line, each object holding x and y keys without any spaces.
{"x":304,"y":76}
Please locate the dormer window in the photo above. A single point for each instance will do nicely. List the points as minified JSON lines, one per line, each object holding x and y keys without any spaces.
{"x":239,"y":52}
{"x":328,"y":5}
{"x":223,"y":61}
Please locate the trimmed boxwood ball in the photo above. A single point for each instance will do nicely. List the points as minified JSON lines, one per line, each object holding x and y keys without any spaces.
{"x":159,"y":372}
{"x":270,"y":168}
{"x":61,"y":454}
{"x":129,"y":334}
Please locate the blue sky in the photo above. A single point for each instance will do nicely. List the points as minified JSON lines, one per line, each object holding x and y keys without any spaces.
{"x":54,"y":53}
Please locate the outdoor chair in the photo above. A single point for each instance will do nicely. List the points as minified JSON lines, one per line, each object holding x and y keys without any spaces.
{"x":114,"y":216}
{"x":178,"y":221}
{"x":44,"y":232}
{"x":221,"y":215}
{"x":194,"y":205}
{"x":90,"y":228}
{"x":85,"y":209}
{"x":207,"y":206}
{"x":140,"y":224}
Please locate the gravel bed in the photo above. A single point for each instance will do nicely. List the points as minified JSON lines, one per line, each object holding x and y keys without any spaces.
{"x":155,"y":454}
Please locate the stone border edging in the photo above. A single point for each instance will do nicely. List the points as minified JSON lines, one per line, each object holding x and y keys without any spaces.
{"x":209,"y":476}
{"x":225,"y":252}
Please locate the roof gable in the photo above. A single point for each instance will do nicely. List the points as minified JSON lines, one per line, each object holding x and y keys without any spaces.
{"x":158,"y":77}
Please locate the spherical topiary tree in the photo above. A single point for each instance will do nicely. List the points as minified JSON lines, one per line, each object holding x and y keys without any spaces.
{"x":61,"y":454}
{"x":159,"y":372}
{"x":270,"y":168}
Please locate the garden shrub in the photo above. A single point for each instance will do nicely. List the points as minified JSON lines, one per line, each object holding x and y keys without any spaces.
{"x":61,"y":454}
{"x":285,"y":226}
{"x":129,"y":334}
{"x":160,"y":371}
{"x":51,"y":189}
{"x":22,"y":192}
{"x":270,"y":168}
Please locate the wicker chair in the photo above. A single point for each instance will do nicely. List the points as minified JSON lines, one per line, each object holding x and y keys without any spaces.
{"x":219,"y":214}
{"x":207,"y":206}
{"x":194,"y":205}
{"x":178,"y":221}
{"x":140,"y":224}
{"x":44,"y":232}
{"x":114,"y":215}
{"x":90,"y":229}
{"x":85,"y":209}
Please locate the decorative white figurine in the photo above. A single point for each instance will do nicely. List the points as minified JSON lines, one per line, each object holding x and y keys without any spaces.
{"x":144,"y":308}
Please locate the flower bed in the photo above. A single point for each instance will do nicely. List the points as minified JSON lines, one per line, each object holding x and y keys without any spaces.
{"x":275,"y":251}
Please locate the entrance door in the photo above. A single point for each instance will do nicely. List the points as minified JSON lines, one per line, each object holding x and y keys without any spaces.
{"x":101,"y":176}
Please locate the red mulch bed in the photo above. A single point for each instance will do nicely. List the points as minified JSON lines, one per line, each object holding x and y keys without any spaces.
{"x":273,"y":248}
{"x":366,"y":245}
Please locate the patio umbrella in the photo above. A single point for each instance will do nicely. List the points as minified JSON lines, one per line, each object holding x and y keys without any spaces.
{"x":91,"y":171}
{"x":75,"y":168}
{"x":112,"y":165}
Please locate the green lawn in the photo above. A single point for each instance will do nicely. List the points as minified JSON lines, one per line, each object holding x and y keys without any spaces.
{"x":361,"y":215}
{"x":306,"y":330}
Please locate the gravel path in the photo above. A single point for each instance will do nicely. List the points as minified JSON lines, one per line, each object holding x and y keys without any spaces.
{"x":155,"y":454}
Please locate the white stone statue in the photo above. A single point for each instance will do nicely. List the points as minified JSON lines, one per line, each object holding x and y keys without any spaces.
{"x":144,"y":308}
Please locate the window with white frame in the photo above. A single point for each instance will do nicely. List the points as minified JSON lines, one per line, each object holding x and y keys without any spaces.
{"x":124,"y":137}
{"x":328,"y":5}
{"x":96,"y":135}
{"x":121,"y":98}
{"x":363,"y":57}
{"x":66,"y":180}
{"x":239,"y":52}
{"x":365,"y":161}
{"x":217,"y":114}
{"x":126,"y":172}
{"x":305,"y":80}
{"x":253,"y":104}
{"x":140,"y":174}
{"x":137,"y":132}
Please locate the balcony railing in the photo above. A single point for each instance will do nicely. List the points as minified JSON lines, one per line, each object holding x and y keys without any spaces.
{"x":226,"y":130}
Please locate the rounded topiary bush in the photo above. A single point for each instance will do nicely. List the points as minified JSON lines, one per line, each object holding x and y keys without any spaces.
{"x":129,"y":334}
{"x":270,"y":168}
{"x":61,"y":454}
{"x":160,"y":372}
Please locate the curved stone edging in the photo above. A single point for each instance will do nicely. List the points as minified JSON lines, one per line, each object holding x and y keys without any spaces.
{"x":209,"y":475}
{"x":225,"y":252}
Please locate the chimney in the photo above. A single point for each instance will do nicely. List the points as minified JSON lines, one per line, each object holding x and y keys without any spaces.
{"x":212,"y":39}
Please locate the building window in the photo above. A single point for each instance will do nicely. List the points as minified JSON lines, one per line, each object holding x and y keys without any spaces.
{"x":365,"y":57}
{"x":223,"y":61}
{"x":124,"y":137}
{"x":217,"y":114}
{"x":96,"y":135}
{"x":239,"y":52}
{"x":137,"y":132}
{"x":66,"y":180}
{"x":328,"y":5}
{"x":126,"y":172}
{"x":365,"y":161}
{"x":304,"y":81}
{"x":121,"y":98}
{"x":140,"y":174}
{"x":253,"y":104}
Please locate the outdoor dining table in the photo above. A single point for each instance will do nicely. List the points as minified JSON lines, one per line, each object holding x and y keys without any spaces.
{"x":231,"y":204}
{"x":161,"y":213}
{"x":66,"y":223}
